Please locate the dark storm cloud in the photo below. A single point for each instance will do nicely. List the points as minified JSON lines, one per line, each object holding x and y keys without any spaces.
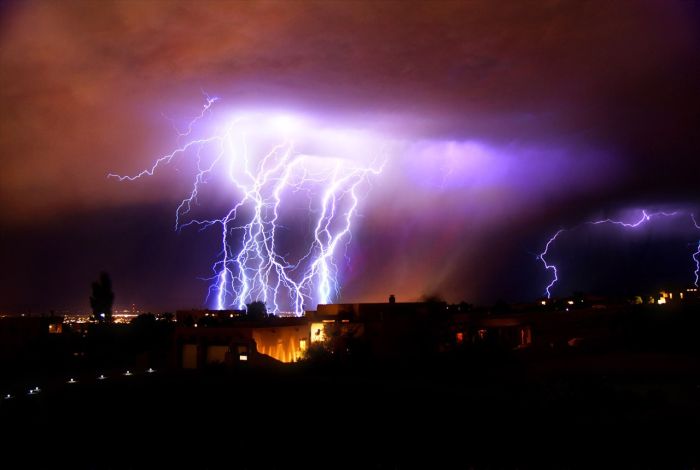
{"x":81,"y":79}
{"x":84,"y":86}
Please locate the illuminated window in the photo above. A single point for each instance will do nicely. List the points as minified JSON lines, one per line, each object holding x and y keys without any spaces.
{"x":318,"y":332}
{"x":460,"y":337}
{"x":243,"y":357}
{"x":302,"y":345}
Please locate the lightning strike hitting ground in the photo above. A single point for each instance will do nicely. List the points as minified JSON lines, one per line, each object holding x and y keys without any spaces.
{"x":252,"y":265}
{"x":645,"y":217}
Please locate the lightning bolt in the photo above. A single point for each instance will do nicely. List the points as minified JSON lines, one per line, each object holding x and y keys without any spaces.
{"x":696,"y":255}
{"x":550,"y":267}
{"x":251,"y":264}
{"x":643,"y":219}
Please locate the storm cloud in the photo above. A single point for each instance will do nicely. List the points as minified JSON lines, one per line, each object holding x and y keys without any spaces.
{"x":511,"y":118}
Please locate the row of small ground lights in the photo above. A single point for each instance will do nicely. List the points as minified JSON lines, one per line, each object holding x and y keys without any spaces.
{"x":36,"y":390}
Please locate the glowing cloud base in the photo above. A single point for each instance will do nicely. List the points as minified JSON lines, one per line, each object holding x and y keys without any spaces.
{"x":646,"y":217}
{"x":252,"y":265}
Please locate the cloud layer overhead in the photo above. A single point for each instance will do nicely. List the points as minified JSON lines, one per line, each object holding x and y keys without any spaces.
{"x":502,"y":121}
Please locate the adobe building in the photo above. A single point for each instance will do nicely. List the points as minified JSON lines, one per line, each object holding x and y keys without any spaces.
{"x":223,"y":337}
{"x":385,"y":329}
{"x":416,"y":328}
{"x":21,"y":334}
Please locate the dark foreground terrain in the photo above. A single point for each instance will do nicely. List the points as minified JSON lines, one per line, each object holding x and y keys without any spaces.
{"x":476,"y":410}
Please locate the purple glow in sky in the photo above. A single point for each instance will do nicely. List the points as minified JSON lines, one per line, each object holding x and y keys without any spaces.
{"x":261,"y":158}
{"x":498,"y":121}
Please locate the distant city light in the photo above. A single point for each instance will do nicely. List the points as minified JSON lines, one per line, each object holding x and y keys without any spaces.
{"x":71,"y":381}
{"x":150,"y":370}
{"x":117,"y":317}
{"x":101,"y":377}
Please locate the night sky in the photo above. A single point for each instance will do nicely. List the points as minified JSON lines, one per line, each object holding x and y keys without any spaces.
{"x":504,"y":121}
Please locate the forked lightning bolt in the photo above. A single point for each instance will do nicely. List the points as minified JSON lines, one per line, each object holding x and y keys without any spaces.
{"x":644,"y":218}
{"x":251,"y":265}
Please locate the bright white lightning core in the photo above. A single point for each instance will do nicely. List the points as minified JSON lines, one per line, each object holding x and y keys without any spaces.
{"x":258,"y":158}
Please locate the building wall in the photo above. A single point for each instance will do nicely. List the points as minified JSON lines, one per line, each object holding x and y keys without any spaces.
{"x":286,"y":343}
{"x":198,"y":346}
{"x":189,"y":356}
{"x":216,"y":354}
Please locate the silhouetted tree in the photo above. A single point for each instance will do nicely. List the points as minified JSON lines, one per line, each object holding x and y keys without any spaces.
{"x":256,"y":310}
{"x":102,"y":298}
{"x":318,"y":353}
{"x":433,"y":299}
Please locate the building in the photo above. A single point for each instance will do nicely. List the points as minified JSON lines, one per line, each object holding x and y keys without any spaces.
{"x":209,"y":337}
{"x":381,"y":330}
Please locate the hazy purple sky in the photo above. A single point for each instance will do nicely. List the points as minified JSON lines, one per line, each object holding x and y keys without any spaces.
{"x":513,"y":118}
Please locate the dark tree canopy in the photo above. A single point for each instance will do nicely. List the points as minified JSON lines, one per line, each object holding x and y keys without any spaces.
{"x":102,"y":298}
{"x":433,"y":299}
{"x":256,"y":310}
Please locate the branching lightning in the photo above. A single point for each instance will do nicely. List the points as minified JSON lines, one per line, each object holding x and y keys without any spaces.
{"x":251,"y":264}
{"x":644,"y":218}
